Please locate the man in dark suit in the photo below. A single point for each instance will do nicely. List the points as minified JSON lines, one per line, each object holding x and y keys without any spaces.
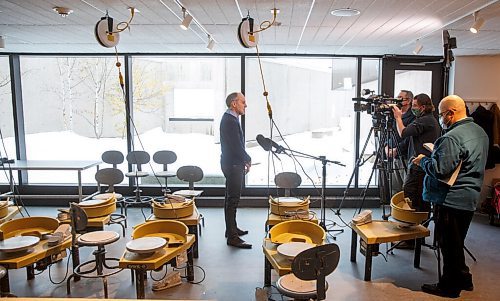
{"x":235,"y":163}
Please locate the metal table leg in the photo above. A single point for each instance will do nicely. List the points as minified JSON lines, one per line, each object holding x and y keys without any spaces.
{"x":30,"y":272}
{"x":194,"y":230}
{"x":5,"y":284}
{"x":368,"y":262}
{"x":354,"y":245}
{"x":418,"y":248}
{"x":267,"y":272}
{"x":190,"y":266}
{"x":139,"y":283}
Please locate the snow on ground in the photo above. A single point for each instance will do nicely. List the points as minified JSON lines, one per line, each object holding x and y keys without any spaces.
{"x":198,"y":149}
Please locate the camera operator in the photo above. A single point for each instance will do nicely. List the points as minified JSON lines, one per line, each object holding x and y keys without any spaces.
{"x":424,"y":129}
{"x":402,"y":143}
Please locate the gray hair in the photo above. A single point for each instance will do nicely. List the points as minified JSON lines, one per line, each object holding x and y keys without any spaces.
{"x":231,"y":97}
{"x":409,"y":94}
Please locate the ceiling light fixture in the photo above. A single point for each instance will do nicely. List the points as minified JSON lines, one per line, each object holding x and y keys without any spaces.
{"x":418,"y":47}
{"x":62,"y":11}
{"x":478,"y":23}
{"x":187,"y":19}
{"x":2,"y":42}
{"x":345,"y":12}
{"x":211,"y":43}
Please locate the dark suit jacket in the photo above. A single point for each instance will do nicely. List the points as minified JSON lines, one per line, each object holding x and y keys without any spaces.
{"x":232,"y":142}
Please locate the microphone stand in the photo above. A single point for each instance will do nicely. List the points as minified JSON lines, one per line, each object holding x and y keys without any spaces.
{"x":324,"y":161}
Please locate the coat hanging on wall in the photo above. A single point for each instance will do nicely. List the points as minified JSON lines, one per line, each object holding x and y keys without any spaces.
{"x":484,"y":118}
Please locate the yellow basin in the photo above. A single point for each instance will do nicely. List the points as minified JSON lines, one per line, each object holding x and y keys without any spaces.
{"x":173,"y":210}
{"x":4,"y":208}
{"x":297,"y":231}
{"x":284,"y":205}
{"x":174,"y":231}
{"x":34,"y":226}
{"x":105,"y":208}
{"x":401,"y":210}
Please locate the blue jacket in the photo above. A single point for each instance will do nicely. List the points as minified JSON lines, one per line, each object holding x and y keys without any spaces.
{"x":464,"y":141}
{"x":232,"y":142}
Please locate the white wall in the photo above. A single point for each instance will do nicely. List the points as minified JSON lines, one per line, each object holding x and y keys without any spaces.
{"x":478,"y":78}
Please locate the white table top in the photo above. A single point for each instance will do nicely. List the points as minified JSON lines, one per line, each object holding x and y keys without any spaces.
{"x":50,"y":165}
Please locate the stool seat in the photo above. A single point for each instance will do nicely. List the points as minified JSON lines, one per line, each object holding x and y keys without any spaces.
{"x":294,"y":287}
{"x":166,"y":174}
{"x":107,"y":195}
{"x":98,"y":238}
{"x":137,"y":174}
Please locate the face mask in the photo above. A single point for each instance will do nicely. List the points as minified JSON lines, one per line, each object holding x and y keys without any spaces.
{"x":443,"y":125}
{"x":416,"y":112}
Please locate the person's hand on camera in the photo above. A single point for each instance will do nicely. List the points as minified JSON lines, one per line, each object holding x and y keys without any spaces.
{"x":416,"y":160}
{"x":397,"y":112}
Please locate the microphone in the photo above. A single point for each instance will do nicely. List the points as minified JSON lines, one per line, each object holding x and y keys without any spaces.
{"x":267,"y":144}
{"x":264,"y":142}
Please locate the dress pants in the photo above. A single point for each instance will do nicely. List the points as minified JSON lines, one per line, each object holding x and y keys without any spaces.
{"x":235,"y":175}
{"x":451,"y":229}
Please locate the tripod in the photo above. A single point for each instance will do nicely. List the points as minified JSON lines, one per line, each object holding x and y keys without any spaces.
{"x":384,"y":132}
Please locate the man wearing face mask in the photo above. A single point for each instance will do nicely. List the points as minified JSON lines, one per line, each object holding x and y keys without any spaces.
{"x":464,"y":146}
{"x":424,"y":129}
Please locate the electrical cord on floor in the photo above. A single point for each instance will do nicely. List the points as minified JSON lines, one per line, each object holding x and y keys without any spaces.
{"x":161,"y":278}
{"x":184,"y":268}
{"x":67,"y":270}
{"x":385,"y":258}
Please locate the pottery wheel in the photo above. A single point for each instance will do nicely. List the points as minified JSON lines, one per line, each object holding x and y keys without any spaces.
{"x":292,"y":249}
{"x":146,"y":245}
{"x":92,"y":202}
{"x":288,"y":200}
{"x":18,"y":243}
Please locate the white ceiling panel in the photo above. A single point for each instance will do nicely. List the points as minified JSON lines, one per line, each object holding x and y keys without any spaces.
{"x":382,"y":27}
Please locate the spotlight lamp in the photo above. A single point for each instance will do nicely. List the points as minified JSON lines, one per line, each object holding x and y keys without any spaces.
{"x":418,"y":47}
{"x":62,"y":11}
{"x":187,"y":19}
{"x":478,"y":23}
{"x":211,"y":43}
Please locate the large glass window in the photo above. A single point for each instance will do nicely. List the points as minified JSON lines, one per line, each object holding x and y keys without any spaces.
{"x":417,"y":81}
{"x":370,"y":70}
{"x":312,"y":107}
{"x":8,"y":143}
{"x":178,"y":103}
{"x":73,"y":110}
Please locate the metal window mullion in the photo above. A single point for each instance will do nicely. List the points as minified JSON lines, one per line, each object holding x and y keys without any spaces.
{"x":129,"y":103}
{"x":18,"y":113}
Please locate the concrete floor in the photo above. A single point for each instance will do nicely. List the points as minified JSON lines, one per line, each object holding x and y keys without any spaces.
{"x":234,"y":274}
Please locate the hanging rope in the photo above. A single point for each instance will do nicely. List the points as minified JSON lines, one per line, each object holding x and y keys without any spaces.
{"x":265,"y":93}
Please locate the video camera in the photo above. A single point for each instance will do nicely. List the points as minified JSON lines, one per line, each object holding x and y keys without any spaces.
{"x":376,"y":105}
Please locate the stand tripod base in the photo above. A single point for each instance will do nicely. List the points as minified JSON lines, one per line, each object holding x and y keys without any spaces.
{"x":329,"y":230}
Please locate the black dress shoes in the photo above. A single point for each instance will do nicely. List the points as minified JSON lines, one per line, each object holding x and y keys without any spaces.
{"x":238,"y":243}
{"x":436,"y":289}
{"x":239,"y":232}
